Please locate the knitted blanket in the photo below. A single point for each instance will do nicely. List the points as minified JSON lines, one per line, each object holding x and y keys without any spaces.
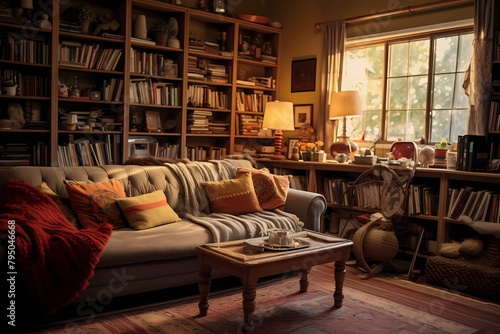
{"x":224,"y":227}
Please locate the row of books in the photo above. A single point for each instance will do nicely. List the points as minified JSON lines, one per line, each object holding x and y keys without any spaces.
{"x":494,"y":121}
{"x":23,"y":154}
{"x":27,"y":84}
{"x":147,"y":91}
{"x":473,"y":153}
{"x":422,"y":200}
{"x":252,"y":101}
{"x":201,"y":96}
{"x":75,"y":54}
{"x":112,"y":90}
{"x":249,"y":125}
{"x":203,"y":46}
{"x":476,"y":205}
{"x":148,"y":63}
{"x":203,"y":153}
{"x":202,"y":121}
{"x":83,"y":152}
{"x":16,"y":47}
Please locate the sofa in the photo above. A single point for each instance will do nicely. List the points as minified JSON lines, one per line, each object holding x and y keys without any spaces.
{"x":141,"y":260}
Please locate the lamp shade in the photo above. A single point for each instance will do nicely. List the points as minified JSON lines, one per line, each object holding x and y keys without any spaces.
{"x":345,"y":104}
{"x":278,"y":115}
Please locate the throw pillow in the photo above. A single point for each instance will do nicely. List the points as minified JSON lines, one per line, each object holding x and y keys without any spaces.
{"x":235,"y":196}
{"x":148,"y":210}
{"x":95,"y":203}
{"x":471,"y":246}
{"x":450,"y":250}
{"x":271,"y":189}
{"x":63,"y":203}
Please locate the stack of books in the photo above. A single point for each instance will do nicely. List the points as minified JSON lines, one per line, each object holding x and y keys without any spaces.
{"x":249,"y":125}
{"x":217,"y":73}
{"x":198,"y":121}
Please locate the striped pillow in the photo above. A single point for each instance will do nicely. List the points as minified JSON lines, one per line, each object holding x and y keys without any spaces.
{"x":148,"y":210}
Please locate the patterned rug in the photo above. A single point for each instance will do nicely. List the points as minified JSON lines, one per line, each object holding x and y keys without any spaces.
{"x":376,"y":305}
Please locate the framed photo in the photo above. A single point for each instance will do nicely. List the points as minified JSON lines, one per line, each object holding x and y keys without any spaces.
{"x":291,"y":144}
{"x":302,"y":114}
{"x":304,"y":75}
{"x":170,"y":70}
{"x":153,"y":122}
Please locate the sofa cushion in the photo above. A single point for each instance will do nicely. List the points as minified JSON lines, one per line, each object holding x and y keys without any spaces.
{"x":271,"y":189}
{"x":63,"y":203}
{"x":235,"y":196}
{"x":95,"y":203}
{"x":148,"y":210}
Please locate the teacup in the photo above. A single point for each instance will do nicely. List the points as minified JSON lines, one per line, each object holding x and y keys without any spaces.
{"x":280,"y":237}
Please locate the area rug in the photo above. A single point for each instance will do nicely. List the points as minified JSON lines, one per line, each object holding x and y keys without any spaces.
{"x":376,"y":305}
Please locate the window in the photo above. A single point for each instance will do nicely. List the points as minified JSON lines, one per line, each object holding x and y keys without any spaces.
{"x":412,"y":87}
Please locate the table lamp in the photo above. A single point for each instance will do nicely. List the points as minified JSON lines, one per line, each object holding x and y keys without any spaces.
{"x":342,"y":105}
{"x":278,"y":116}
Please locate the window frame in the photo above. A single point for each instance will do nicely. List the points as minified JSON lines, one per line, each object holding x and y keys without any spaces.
{"x":398,"y":38}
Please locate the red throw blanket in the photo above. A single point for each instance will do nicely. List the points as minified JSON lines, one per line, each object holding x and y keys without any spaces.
{"x":56,"y":259}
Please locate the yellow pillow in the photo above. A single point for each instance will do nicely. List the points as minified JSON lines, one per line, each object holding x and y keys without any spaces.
{"x":271,"y":189}
{"x":95,"y":203}
{"x":148,"y":210}
{"x":62,"y":202}
{"x":236,"y":196}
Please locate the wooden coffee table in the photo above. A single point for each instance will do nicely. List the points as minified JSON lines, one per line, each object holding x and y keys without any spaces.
{"x":250,"y":262}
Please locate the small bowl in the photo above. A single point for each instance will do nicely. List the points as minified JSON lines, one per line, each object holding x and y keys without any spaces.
{"x":69,"y":126}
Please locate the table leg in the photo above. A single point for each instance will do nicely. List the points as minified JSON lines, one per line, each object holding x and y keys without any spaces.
{"x":204,"y":280}
{"x":340,"y":271}
{"x":249,"y":293}
{"x":304,"y":280}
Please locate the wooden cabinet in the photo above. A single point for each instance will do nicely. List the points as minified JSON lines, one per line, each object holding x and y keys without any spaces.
{"x":133,"y":96}
{"x":431,"y":188}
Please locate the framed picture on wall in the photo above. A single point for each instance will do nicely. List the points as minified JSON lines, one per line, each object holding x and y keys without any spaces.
{"x":302,"y":114}
{"x":304,"y":75}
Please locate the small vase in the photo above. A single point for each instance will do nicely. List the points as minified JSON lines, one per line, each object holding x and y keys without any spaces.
{"x":85,"y":26}
{"x":306,"y":156}
{"x":161,"y":38}
{"x":295,"y":154}
{"x":141,"y":27}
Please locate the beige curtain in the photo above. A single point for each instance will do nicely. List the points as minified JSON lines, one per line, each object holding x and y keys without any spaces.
{"x":478,"y":81}
{"x":334,"y":36}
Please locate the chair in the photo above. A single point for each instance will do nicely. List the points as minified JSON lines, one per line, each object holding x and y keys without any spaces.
{"x":381,"y":191}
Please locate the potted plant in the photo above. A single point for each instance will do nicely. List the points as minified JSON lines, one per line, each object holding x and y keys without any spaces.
{"x":440,"y":150}
{"x":85,"y":16}
{"x":160,"y":32}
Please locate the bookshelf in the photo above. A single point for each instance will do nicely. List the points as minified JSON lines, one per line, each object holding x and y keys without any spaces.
{"x":430,"y":200}
{"x":126,"y":90}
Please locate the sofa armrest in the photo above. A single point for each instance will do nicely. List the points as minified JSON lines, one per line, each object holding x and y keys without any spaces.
{"x":308,"y":206}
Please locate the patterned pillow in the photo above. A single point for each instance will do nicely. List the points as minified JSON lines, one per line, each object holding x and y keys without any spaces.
{"x":271,"y":189}
{"x":62,"y":202}
{"x":236,"y":196}
{"x":148,"y":210}
{"x":95,"y":203}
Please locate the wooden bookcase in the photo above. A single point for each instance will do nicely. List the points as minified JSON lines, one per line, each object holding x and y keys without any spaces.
{"x":439,"y":183}
{"x":146,"y":102}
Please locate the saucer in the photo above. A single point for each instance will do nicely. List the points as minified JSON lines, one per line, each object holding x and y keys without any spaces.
{"x":262,"y":243}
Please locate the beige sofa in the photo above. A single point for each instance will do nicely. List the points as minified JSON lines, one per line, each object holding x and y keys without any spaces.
{"x":136,"y":261}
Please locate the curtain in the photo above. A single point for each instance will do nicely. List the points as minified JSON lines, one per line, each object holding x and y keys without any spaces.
{"x":334,"y":37}
{"x":477,"y":82}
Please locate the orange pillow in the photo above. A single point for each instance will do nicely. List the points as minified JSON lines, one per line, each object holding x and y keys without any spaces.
{"x":95,"y":203}
{"x":236,"y":196}
{"x":271,"y":189}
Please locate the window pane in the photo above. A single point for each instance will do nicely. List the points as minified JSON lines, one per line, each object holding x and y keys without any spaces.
{"x":461,"y":99}
{"x":416,"y":125}
{"x":445,"y":54}
{"x":397,"y":94}
{"x":419,"y":57}
{"x":443,"y":91}
{"x":373,"y":95}
{"x":465,"y":52}
{"x":440,"y":125}
{"x":398,"y":65}
{"x":458,"y":124}
{"x":395,"y":125}
{"x":375,"y":58}
{"x":372,"y":122}
{"x":418,"y":92}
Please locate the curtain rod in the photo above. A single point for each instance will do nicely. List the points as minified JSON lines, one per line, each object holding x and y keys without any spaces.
{"x":409,"y":9}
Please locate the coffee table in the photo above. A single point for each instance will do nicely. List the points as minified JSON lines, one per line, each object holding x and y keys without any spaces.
{"x":251,"y":262}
